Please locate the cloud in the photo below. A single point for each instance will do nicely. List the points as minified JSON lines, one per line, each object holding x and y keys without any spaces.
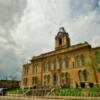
{"x":28,"y":28}
{"x":43,"y":18}
{"x":11,"y":10}
{"x":11,"y":13}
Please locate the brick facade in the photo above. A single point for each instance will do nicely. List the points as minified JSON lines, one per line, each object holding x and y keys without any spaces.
{"x":67,"y":64}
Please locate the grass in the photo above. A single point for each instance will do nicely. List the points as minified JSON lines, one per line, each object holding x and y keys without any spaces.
{"x":14,"y":91}
{"x":93,"y":92}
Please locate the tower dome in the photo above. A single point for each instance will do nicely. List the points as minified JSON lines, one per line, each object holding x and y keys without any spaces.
{"x":62,"y":30}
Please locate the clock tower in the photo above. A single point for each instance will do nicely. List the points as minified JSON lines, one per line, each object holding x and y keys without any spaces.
{"x":62,"y":39}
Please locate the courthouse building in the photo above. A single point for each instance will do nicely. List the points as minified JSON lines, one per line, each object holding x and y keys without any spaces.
{"x":67,"y":64}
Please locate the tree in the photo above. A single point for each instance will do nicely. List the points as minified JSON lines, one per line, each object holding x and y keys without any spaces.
{"x":12,"y":77}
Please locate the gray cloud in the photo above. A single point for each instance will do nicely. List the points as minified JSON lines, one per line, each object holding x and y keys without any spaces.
{"x":11,"y":10}
{"x":27,"y":31}
{"x":11,"y":13}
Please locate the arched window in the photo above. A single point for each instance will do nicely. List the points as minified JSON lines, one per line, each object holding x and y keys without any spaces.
{"x":67,"y":75}
{"x":63,"y":78}
{"x":55,"y":77}
{"x":45,"y":77}
{"x":66,"y":59}
{"x":60,"y":63}
{"x":78,"y":60}
{"x":60,"y":41}
{"x":45,"y":80}
{"x":35,"y":79}
{"x":35,"y":69}
{"x":55,"y":65}
{"x":49,"y":65}
{"x":48,"y":79}
{"x":44,"y":67}
{"x":80,"y":75}
{"x":67,"y":78}
{"x":82,"y":59}
{"x":85,"y":75}
{"x":25,"y":81}
{"x":63,"y":64}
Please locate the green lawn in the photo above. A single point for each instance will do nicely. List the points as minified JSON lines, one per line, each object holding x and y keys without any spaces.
{"x":76,"y":92}
{"x":14,"y":91}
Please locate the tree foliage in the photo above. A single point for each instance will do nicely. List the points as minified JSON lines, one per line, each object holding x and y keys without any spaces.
{"x":9,"y":84}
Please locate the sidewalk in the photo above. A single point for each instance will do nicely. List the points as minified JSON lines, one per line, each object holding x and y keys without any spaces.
{"x":48,"y":98}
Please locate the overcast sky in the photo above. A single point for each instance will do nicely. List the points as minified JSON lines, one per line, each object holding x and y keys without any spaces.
{"x":28,"y":28}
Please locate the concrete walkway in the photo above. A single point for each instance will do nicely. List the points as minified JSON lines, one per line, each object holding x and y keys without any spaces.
{"x":48,"y":98}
